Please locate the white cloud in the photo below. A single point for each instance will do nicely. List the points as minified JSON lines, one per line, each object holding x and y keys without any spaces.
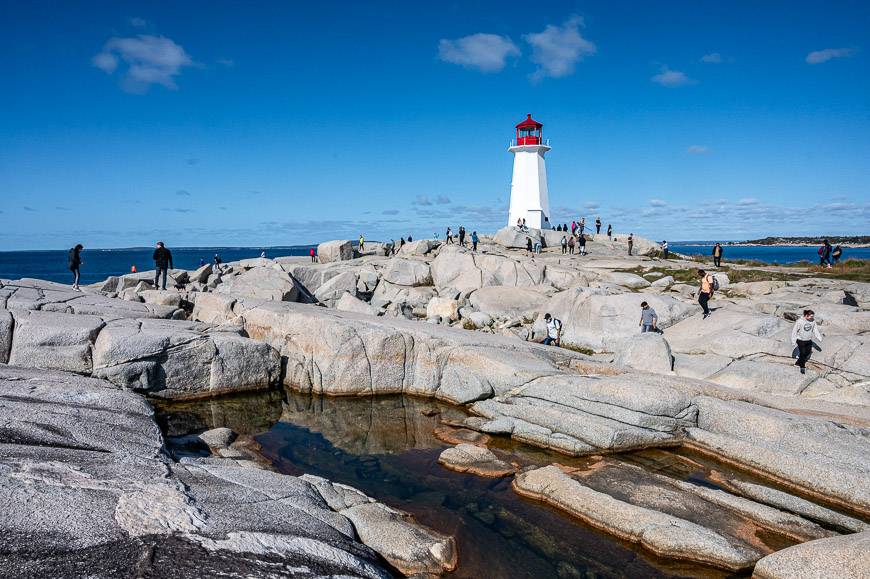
{"x":558,"y":48}
{"x":150,"y":60}
{"x":713,"y":58}
{"x":422,"y":200}
{"x":697,"y":149}
{"x":658,"y":203}
{"x":671,"y":78}
{"x":820,"y":56}
{"x":481,"y":51}
{"x":748,"y":202}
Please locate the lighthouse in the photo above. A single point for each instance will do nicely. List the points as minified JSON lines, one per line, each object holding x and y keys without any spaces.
{"x":529,"y":197}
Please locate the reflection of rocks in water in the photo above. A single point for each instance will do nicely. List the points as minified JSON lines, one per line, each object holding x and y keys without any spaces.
{"x":379,"y":425}
{"x":244,"y":413}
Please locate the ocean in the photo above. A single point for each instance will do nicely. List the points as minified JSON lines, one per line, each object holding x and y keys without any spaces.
{"x":98,"y":264}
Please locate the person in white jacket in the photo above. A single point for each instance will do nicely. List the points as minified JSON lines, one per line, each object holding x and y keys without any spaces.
{"x":802,"y":334}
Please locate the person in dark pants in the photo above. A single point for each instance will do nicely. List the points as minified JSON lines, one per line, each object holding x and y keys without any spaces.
{"x":837,"y":254}
{"x":802,"y":334}
{"x":474,"y":241}
{"x":462,"y":235}
{"x":706,"y":291}
{"x":597,"y":225}
{"x":162,"y":263}
{"x":581,"y":240}
{"x":825,"y":253}
{"x":609,"y":231}
{"x":554,"y":330}
{"x":665,"y":250}
{"x":648,"y":318}
{"x":74,"y":263}
{"x":717,"y":255}
{"x":630,"y":242}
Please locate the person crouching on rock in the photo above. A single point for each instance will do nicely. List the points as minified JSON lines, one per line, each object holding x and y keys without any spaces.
{"x":802,"y":334}
{"x":554,"y":330}
{"x":74,"y":263}
{"x":162,"y":263}
{"x":648,"y":318}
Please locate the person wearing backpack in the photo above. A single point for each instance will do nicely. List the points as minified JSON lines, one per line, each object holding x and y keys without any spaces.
{"x":802,"y":334}
{"x":74,"y":262}
{"x":837,"y":254}
{"x":564,"y":243}
{"x":571,"y":245}
{"x":825,"y":254}
{"x":717,"y":255}
{"x":554,"y":330}
{"x":709,"y":284}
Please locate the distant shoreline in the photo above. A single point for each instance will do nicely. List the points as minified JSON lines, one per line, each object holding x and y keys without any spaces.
{"x":795,"y":244}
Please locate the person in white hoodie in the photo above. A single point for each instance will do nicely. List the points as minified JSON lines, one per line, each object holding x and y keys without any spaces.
{"x":802,"y":334}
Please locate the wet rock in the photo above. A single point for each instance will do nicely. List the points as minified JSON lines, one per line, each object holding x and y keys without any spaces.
{"x":664,"y":535}
{"x":452,"y":435}
{"x":834,"y":558}
{"x":476,"y":460}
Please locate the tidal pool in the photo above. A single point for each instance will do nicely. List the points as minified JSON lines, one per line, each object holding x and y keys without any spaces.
{"x":385,"y":446}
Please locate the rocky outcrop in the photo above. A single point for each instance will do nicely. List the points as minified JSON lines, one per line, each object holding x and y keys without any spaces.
{"x":262,"y":283}
{"x":507,"y":302}
{"x":834,"y":558}
{"x":407,"y":272}
{"x":337,"y":250}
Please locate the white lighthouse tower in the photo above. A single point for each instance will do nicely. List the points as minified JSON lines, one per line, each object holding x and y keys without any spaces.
{"x":529,"y":197}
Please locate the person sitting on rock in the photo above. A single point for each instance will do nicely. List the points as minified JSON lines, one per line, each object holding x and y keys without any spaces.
{"x":802,"y":334}
{"x":648,"y":318}
{"x":162,"y":263}
{"x":554,"y":330}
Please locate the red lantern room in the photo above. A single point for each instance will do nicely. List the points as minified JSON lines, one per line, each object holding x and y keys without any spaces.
{"x":529,"y":132}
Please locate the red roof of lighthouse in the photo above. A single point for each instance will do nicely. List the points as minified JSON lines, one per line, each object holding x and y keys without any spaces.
{"x":529,"y":122}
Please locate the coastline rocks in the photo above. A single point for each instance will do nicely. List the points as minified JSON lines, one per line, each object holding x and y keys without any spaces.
{"x":442,"y":308}
{"x":649,"y":351}
{"x":419,"y":247}
{"x":407,"y":272}
{"x":506,"y":302}
{"x":6,"y":323}
{"x":845,"y":557}
{"x":336,"y":250}
{"x":624,"y":279}
{"x":665,"y":535}
{"x":512,"y":238}
{"x":332,"y":290}
{"x":261,"y":283}
{"x":465,"y":271}
{"x":475,"y":460}
{"x":350,"y":303}
{"x":53,"y":341}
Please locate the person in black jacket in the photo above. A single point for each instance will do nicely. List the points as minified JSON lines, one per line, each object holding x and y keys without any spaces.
{"x":74,"y":262}
{"x":162,"y":263}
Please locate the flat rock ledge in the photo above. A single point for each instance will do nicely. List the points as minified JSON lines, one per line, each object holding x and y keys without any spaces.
{"x":664,"y":535}
{"x":475,"y":460}
{"x":846,"y":557}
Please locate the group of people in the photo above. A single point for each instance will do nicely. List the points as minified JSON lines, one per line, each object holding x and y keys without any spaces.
{"x":581,"y":227}
{"x":461,"y":235}
{"x":162,"y":264}
{"x":829,"y":254}
{"x":569,"y":242}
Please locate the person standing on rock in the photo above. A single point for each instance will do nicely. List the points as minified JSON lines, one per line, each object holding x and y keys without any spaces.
{"x":717,"y":255}
{"x":462,"y":235}
{"x":564,"y":243}
{"x":573,"y":227}
{"x":630,"y":242}
{"x":802,"y":334}
{"x":538,"y":247}
{"x":362,"y":243}
{"x":648,"y":318}
{"x":582,"y":241}
{"x":706,"y":291}
{"x":597,"y":225}
{"x":474,"y":241}
{"x":217,"y":264}
{"x":665,"y":249}
{"x":162,"y":263}
{"x":554,"y":330}
{"x":825,"y":254}
{"x":837,"y":254}
{"x":313,"y":255}
{"x":571,"y":245}
{"x":74,"y":262}
{"x":609,"y":231}
{"x":582,"y":226}
{"x":449,"y":234}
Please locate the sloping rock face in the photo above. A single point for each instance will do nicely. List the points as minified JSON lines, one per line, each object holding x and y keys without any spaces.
{"x":513,"y":238}
{"x":407,"y":272}
{"x":165,"y":358}
{"x":337,"y":250}
{"x":834,"y":558}
{"x":819,"y":457}
{"x":505,"y":302}
{"x":262,"y":283}
{"x":466,"y":271}
{"x":85,"y":481}
{"x":342,"y":353}
{"x":577,"y":415}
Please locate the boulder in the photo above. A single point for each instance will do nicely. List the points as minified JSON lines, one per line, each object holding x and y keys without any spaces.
{"x":213,"y":308}
{"x":762,"y":376}
{"x":350,"y":303}
{"x":161,"y":297}
{"x":6,"y":323}
{"x":663,"y":282}
{"x":54,"y":341}
{"x":649,"y":351}
{"x":387,"y":293}
{"x":625,"y":279}
{"x":466,"y":271}
{"x":506,"y":302}
{"x":332,"y":290}
{"x":480,"y":319}
{"x":475,"y":460}
{"x":845,"y":557}
{"x":444,"y":308}
{"x":201,"y":274}
{"x":337,"y":250}
{"x":512,"y":238}
{"x":407,"y":272}
{"x":262,"y":283}
{"x":419,"y":247}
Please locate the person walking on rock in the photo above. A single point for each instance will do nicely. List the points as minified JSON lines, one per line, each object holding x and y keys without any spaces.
{"x":162,"y":263}
{"x":474,"y":241}
{"x":825,"y":254}
{"x":837,"y":254}
{"x":630,"y":242}
{"x":609,"y":231}
{"x":582,"y":225}
{"x":74,"y":262}
{"x":538,"y":247}
{"x":449,"y":234}
{"x":717,"y":255}
{"x":802,"y":334}
{"x":571,"y":245}
{"x":648,"y":318}
{"x":665,"y":249}
{"x":313,"y":255}
{"x":564,"y":243}
{"x":706,"y":291}
{"x":597,"y":225}
{"x":582,"y":241}
{"x":554,"y":330}
{"x":362,"y":243}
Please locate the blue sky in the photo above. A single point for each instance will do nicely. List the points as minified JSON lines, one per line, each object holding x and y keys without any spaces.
{"x":273,"y":123}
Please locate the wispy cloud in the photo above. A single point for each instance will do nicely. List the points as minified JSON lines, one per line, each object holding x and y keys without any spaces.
{"x":227,"y":62}
{"x":192,"y":161}
{"x":442,"y":200}
{"x":150,"y":60}
{"x":658,"y":203}
{"x":557,"y":49}
{"x":28,"y":208}
{"x":178,"y":210}
{"x":183,"y":193}
{"x":137,"y":22}
{"x":481,"y":51}
{"x":748,"y":202}
{"x":390,"y":212}
{"x":671,"y":78}
{"x":61,"y":208}
{"x":697,"y":149}
{"x":712,"y":58}
{"x":422,"y":200}
{"x":820,"y":56}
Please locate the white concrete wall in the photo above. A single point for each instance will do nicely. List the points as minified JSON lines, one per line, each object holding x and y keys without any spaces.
{"x":529,"y":196}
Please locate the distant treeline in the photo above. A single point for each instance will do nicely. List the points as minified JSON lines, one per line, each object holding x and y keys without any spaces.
{"x":855,"y":239}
